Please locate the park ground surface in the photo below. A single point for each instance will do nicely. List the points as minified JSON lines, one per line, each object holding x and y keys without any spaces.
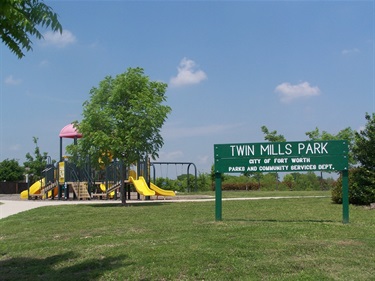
{"x":298,"y":237}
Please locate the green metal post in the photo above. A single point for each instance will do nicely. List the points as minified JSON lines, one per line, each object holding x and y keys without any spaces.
{"x":218,"y":197}
{"x":345,"y":197}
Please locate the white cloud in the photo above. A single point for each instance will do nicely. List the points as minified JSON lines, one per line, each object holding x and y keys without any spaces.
{"x":10,"y":80}
{"x":289,"y":92}
{"x":350,"y":51}
{"x":188,"y":74}
{"x":59,"y":40}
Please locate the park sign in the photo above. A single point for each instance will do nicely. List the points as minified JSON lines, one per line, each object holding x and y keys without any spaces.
{"x":295,"y":156}
{"x":298,"y":156}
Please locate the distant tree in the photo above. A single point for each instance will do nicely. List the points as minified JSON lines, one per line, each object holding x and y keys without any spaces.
{"x":37,"y":163}
{"x":289,"y":180}
{"x":19,"y":20}
{"x":10,"y":170}
{"x":272,"y":136}
{"x":204,"y":182}
{"x":345,"y":134}
{"x":122,"y":120}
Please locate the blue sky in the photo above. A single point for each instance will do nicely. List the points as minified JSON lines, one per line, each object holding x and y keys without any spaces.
{"x":231,"y":67}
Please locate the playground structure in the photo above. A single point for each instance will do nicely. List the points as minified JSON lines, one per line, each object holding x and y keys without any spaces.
{"x":64,"y":179}
{"x":189,"y":164}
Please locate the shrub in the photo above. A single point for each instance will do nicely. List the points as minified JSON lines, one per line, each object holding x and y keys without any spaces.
{"x":361,"y":187}
{"x":240,"y":186}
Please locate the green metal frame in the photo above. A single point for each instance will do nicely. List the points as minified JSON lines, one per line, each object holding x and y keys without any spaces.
{"x":333,"y":153}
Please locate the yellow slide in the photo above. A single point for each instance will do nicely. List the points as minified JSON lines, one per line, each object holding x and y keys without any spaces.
{"x":161,"y":192}
{"x":104,"y":189}
{"x":141,"y":186}
{"x":34,"y":188}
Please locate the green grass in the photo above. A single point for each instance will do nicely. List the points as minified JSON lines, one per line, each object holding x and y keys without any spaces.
{"x":283,"y":239}
{"x":275,"y":193}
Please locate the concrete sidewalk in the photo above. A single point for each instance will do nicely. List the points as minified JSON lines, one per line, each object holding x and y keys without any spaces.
{"x":12,"y":207}
{"x":11,"y":204}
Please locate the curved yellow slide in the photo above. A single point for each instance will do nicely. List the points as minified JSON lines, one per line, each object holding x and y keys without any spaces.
{"x":161,"y":192}
{"x":141,"y":186}
{"x":34,"y":188}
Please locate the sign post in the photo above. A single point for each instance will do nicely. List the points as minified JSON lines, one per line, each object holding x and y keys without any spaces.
{"x":282,"y":157}
{"x":218,"y":197}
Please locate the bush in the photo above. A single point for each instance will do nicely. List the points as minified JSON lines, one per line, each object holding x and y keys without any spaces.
{"x":240,"y":186}
{"x":361,"y":187}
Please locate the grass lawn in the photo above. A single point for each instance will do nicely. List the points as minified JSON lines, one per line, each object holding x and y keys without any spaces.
{"x":283,"y":239}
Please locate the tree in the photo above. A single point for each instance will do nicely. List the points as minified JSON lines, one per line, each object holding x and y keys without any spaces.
{"x":122,"y":120}
{"x":19,"y":20}
{"x":272,"y":136}
{"x":364,"y":146}
{"x":36,"y":164}
{"x":10,"y":170}
{"x":345,"y":134}
{"x":363,"y":189}
{"x":289,"y":180}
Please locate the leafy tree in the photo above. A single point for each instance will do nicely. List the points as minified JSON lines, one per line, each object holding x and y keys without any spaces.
{"x":364,"y":150}
{"x":37,"y":163}
{"x":289,"y":180}
{"x":19,"y":20}
{"x":10,"y":170}
{"x":272,"y":136}
{"x":122,"y":120}
{"x":364,"y":181}
{"x":345,"y":134}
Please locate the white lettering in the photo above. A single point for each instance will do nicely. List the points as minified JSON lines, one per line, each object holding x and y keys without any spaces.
{"x":265,"y":149}
{"x":301,"y":146}
{"x":302,"y":167}
{"x":325,"y":167}
{"x":273,"y":168}
{"x":314,"y":148}
{"x":236,"y":169}
{"x":252,"y":169}
{"x":288,"y":149}
{"x":300,"y":160}
{"x":242,"y":150}
{"x":323,"y":148}
{"x":254,"y":161}
{"x":280,"y":160}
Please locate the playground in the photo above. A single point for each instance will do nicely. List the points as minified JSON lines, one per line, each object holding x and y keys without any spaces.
{"x":65,"y":180}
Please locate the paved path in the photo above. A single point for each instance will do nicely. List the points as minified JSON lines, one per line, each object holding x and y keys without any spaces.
{"x":11,"y":207}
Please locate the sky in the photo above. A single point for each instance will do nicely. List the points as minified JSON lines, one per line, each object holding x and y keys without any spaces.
{"x":231,"y":67}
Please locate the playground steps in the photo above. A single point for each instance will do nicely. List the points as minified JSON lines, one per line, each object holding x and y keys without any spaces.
{"x":48,"y":188}
{"x":113,"y":188}
{"x":80,"y":190}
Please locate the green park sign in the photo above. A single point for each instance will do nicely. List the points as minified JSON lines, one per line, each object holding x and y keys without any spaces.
{"x":298,"y":156}
{"x":281,"y":157}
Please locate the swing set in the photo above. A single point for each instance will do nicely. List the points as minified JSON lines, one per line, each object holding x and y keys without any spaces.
{"x":189,"y":164}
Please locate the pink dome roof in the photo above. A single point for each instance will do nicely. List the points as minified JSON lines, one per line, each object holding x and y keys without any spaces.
{"x":69,"y":132}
